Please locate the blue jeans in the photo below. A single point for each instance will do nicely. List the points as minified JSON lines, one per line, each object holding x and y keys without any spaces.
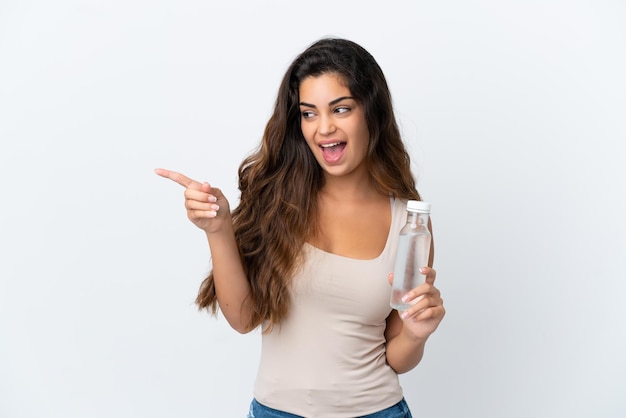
{"x":399,"y":410}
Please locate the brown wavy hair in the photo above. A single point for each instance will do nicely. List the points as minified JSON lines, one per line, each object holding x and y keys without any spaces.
{"x":280,"y":181}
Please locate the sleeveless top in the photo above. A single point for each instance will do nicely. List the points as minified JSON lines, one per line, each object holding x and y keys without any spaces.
{"x":327,"y":358}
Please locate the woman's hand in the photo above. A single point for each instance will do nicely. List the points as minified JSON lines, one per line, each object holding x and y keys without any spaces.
{"x":206,"y":206}
{"x":426,"y":311}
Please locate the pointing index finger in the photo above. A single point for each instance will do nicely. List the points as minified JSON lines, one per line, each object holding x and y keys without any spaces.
{"x":178,"y":178}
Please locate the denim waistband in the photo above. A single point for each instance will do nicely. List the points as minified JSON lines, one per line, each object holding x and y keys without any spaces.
{"x":399,"y":410}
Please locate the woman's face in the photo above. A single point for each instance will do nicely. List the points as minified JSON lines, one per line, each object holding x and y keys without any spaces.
{"x":334,"y":125}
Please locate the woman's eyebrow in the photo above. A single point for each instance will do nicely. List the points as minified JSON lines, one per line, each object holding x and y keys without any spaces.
{"x":332,"y":102}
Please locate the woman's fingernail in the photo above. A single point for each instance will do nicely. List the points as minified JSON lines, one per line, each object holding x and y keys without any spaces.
{"x":212,"y":199}
{"x":422,"y":270}
{"x":405,"y":298}
{"x":215,"y":207}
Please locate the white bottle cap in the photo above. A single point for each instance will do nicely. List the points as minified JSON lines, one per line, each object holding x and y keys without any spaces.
{"x":418,"y":206}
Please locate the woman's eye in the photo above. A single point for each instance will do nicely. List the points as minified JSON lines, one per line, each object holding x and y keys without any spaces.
{"x":306,"y":114}
{"x":342,"y":109}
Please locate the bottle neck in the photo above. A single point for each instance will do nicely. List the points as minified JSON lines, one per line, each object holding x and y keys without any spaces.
{"x":417,"y":219}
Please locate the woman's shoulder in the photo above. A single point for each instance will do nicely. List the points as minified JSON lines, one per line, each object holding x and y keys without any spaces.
{"x":398,"y":204}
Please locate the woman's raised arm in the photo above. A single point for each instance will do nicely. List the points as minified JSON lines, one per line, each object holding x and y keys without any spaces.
{"x":209,"y":210}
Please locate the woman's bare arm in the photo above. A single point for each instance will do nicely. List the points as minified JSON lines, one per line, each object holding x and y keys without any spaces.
{"x":209,"y":210}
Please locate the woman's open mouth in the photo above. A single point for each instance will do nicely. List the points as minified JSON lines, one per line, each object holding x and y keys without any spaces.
{"x":333,"y":151}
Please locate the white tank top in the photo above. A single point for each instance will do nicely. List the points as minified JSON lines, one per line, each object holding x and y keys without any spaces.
{"x":327,"y":358}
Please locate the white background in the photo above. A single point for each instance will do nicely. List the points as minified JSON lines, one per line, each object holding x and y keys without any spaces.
{"x":514,"y":113}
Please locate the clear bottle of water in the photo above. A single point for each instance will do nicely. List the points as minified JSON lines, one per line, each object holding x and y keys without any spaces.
{"x":413,"y":253}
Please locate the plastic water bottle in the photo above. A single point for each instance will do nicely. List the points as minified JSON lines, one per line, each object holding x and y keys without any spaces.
{"x":413,"y":253}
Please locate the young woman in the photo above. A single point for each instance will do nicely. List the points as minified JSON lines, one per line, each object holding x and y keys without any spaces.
{"x":307,"y":254}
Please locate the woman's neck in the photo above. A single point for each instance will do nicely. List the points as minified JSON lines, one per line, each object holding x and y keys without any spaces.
{"x":347,"y":188}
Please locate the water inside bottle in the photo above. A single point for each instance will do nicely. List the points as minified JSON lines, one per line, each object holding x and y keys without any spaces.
{"x":413,"y":251}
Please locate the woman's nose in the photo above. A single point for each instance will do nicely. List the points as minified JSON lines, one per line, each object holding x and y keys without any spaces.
{"x":327,"y":126}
